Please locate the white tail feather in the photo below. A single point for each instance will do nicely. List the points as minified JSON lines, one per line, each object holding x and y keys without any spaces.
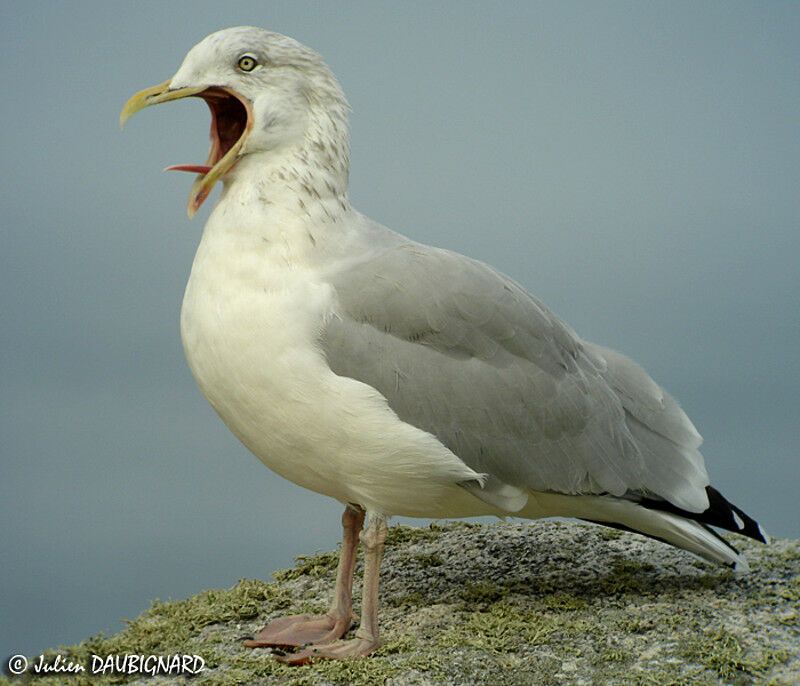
{"x":679,"y":531}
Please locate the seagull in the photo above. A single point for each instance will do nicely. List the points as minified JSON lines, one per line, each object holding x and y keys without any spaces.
{"x":399,"y":378}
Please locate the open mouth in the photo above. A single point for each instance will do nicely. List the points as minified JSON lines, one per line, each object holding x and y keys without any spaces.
{"x":231,"y":121}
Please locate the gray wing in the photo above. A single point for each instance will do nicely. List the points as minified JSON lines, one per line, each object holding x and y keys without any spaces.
{"x":463,"y":352}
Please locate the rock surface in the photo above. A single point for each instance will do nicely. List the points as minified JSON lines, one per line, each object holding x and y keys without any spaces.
{"x":512,"y":603}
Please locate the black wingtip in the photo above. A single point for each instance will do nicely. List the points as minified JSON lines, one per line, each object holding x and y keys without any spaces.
{"x":720,"y":513}
{"x":738,"y":521}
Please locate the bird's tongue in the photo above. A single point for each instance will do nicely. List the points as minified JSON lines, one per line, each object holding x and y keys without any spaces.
{"x":194,"y":168}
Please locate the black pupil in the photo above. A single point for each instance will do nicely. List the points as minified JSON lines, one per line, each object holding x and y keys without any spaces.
{"x":246,"y":63}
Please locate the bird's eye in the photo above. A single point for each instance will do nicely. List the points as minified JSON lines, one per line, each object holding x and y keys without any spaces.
{"x":247,"y":63}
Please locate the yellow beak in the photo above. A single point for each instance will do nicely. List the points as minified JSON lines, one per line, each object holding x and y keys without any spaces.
{"x":205,"y":181}
{"x":154,"y":96}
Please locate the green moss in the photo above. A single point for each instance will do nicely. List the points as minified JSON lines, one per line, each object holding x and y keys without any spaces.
{"x":355,"y":672}
{"x":481,"y":594}
{"x":715,"y":579}
{"x":502,"y":628}
{"x":252,"y":664}
{"x":314,"y":566}
{"x":607,"y":533}
{"x":311,"y":609}
{"x":723,"y":653}
{"x":570,"y":617}
{"x":230,"y":677}
{"x":453,"y":524}
{"x":791,"y":591}
{"x":169,"y":627}
{"x":400,"y":534}
{"x":612,"y":655}
{"x":627,"y":576}
{"x":637,"y":625}
{"x":402,"y":644}
{"x":254,"y":667}
{"x":428,"y":560}
{"x":667,"y":677}
{"x":564,"y":602}
{"x":413,"y":599}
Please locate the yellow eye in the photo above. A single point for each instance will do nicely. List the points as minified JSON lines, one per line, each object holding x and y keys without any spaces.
{"x":247,"y":63}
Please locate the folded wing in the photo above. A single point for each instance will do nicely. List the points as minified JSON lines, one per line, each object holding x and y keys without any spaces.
{"x":465,"y":353}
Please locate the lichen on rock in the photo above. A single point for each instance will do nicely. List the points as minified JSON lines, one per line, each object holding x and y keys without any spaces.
{"x":513,"y":603}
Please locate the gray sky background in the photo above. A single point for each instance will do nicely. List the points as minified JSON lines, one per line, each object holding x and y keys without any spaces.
{"x":635,"y":165}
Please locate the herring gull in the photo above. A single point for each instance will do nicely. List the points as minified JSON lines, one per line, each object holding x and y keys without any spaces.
{"x":398,"y":378}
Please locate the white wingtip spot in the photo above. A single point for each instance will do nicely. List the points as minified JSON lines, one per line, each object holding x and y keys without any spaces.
{"x":738,"y":520}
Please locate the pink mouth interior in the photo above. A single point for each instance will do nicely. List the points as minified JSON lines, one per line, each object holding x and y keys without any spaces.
{"x":196,"y":168}
{"x":229,"y":122}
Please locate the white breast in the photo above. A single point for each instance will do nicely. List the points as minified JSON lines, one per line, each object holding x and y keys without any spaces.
{"x":250,"y":322}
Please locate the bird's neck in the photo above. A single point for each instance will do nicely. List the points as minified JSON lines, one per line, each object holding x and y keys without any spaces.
{"x":292,"y":200}
{"x":308,"y":177}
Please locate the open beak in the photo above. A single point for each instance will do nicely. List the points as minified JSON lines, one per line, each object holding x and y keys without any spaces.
{"x":231,"y":121}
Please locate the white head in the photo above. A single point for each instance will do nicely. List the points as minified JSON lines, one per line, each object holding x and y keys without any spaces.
{"x":268,"y":95}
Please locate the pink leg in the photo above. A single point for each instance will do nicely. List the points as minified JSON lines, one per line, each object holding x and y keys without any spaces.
{"x":367,"y":638}
{"x":299,"y":630}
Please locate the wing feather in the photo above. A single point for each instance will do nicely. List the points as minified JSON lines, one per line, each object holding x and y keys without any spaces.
{"x":465,"y":353}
